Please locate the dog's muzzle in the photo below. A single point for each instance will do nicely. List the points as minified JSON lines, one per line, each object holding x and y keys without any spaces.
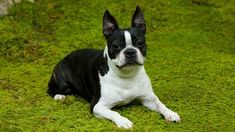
{"x":130,"y":58}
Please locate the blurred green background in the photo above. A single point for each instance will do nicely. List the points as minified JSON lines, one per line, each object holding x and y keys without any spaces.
{"x":190,"y":60}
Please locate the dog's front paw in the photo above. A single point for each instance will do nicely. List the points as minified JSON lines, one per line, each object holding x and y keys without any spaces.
{"x":123,"y":122}
{"x":172,"y":116}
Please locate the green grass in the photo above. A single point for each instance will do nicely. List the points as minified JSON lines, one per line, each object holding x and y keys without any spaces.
{"x":191,"y":62}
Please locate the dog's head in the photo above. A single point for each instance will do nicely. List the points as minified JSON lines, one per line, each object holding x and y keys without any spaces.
{"x":125,"y":47}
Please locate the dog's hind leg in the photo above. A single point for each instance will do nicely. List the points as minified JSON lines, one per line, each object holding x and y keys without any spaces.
{"x":59,"y":97}
{"x":58,"y":88}
{"x":55,"y":90}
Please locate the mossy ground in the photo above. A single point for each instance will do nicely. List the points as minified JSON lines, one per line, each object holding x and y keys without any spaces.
{"x":191,"y":62}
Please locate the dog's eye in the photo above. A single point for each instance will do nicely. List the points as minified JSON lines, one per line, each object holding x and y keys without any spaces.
{"x":117,"y":47}
{"x":140,"y":43}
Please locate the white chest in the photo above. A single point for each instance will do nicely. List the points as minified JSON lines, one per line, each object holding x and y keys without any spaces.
{"x":121,"y":91}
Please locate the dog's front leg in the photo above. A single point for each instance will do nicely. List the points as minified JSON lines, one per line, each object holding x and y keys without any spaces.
{"x":101,"y":110}
{"x":152,"y":102}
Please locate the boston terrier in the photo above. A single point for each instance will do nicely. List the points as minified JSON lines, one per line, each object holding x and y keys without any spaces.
{"x":111,"y":77}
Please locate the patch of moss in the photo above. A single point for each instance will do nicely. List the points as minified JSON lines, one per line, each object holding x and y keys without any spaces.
{"x":190,"y":61}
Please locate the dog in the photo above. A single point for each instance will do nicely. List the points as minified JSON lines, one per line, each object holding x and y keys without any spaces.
{"x":111,"y":77}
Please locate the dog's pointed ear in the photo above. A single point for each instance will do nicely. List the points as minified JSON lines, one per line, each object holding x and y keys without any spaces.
{"x":138,"y":20}
{"x":109,"y":24}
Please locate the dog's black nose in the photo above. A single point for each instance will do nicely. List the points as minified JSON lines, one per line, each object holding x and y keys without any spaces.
{"x":130,"y":53}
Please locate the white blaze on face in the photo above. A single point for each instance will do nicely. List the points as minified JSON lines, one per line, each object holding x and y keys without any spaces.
{"x":127,"y":39}
{"x":121,"y":60}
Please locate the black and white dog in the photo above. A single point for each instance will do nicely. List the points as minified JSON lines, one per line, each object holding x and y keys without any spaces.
{"x":110,"y":77}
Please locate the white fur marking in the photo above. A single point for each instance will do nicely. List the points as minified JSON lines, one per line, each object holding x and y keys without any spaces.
{"x":105,"y":51}
{"x":59,"y":97}
{"x":127,"y":38}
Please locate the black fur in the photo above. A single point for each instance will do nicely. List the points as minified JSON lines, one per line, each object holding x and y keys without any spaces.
{"x":138,"y":20}
{"x":109,"y":24}
{"x":77,"y":74}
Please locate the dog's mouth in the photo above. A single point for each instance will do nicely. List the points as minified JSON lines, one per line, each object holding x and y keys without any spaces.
{"x":129,"y":63}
